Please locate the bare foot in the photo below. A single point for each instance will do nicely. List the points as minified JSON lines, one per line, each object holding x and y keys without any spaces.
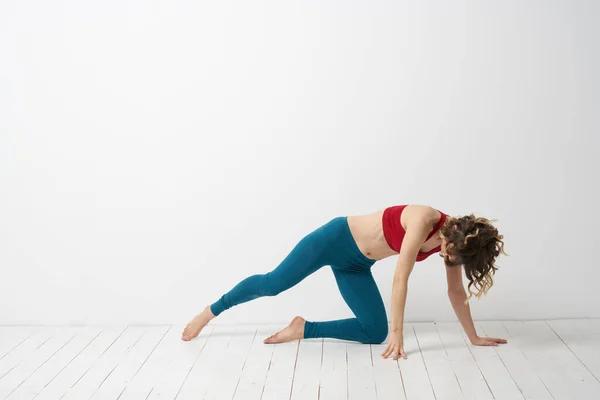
{"x":197,"y":324}
{"x":294,"y":331}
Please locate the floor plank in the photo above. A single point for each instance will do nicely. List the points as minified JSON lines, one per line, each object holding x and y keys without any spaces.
{"x":583,"y":339}
{"x":307,"y":376}
{"x":129,"y":365}
{"x":280,"y":375}
{"x":27,"y":367}
{"x":226,"y":375}
{"x":33,"y":385}
{"x":470,"y":378}
{"x":334,"y":372}
{"x":24,"y":350}
{"x":562,"y":372}
{"x":102,"y":368}
{"x":207,"y":365}
{"x":13,"y":336}
{"x":388,"y":379}
{"x":142,"y":383}
{"x":441,"y":374}
{"x":497,"y":376}
{"x":78,"y":366}
{"x":415,"y":375}
{"x":254,"y":372}
{"x":520,"y":369}
{"x":184,"y":356}
{"x":361,"y":378}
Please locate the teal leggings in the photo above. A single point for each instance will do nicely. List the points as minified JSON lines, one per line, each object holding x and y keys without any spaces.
{"x":331,"y":244}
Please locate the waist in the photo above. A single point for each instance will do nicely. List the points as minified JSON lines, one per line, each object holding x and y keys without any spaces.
{"x":390,"y":225}
{"x":368,"y":234}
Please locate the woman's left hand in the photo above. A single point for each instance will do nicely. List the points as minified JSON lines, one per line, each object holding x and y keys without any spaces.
{"x":395,"y":346}
{"x":487,"y":341}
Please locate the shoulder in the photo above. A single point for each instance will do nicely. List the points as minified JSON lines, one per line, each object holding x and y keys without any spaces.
{"x":422,"y":216}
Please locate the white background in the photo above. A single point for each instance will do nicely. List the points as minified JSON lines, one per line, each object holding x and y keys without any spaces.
{"x":153,"y":153}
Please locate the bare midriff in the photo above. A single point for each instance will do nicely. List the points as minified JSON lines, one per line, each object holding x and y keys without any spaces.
{"x":367,"y":231}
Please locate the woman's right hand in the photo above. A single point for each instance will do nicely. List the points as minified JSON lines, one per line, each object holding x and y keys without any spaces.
{"x":395,"y":346}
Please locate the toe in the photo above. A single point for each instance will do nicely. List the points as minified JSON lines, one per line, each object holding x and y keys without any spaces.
{"x":269,"y":339}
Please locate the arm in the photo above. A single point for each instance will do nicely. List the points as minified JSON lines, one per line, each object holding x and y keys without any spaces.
{"x":458,"y":296}
{"x":413,"y":239}
{"x":416,"y":234}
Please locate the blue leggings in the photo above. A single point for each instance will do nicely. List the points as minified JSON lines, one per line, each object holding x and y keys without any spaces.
{"x":332,"y":244}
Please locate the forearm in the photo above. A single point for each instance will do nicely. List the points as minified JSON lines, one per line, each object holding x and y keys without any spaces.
{"x":399,"y":291}
{"x":463,"y":312}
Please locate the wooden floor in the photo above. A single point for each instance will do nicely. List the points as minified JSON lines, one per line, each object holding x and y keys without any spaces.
{"x":543,"y":360}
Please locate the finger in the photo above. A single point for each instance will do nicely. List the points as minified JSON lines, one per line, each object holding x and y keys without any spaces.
{"x":390,"y":351}
{"x":387,"y":351}
{"x":490,"y":343}
{"x":403,"y":354}
{"x":384,"y":351}
{"x":400,"y":354}
{"x":495,"y":340}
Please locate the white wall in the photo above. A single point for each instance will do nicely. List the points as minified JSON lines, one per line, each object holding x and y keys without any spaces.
{"x":153,"y":153}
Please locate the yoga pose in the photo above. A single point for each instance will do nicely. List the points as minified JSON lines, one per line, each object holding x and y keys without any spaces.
{"x":350,"y":246}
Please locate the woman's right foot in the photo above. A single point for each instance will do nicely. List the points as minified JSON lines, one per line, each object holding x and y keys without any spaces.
{"x":294,"y":331}
{"x":197,"y":324}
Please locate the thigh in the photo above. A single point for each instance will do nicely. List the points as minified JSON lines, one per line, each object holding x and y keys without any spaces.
{"x":360,"y":292}
{"x":304,"y":259}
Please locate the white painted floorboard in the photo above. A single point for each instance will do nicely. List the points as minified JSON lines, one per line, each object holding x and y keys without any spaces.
{"x":542,"y":360}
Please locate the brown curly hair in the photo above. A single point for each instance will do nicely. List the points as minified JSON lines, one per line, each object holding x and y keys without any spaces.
{"x":475,"y":244}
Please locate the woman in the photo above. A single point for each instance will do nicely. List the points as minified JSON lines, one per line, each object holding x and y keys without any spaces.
{"x":351,"y":245}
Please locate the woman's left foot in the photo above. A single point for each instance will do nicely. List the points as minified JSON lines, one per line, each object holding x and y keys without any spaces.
{"x":294,"y":331}
{"x":197,"y":324}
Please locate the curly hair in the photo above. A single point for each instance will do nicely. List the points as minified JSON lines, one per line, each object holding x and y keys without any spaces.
{"x":475,"y":244}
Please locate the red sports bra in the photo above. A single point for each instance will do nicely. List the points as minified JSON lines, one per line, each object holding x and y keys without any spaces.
{"x":394,"y":233}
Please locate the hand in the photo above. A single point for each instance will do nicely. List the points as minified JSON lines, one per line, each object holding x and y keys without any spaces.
{"x":395,"y":346}
{"x":487,"y":341}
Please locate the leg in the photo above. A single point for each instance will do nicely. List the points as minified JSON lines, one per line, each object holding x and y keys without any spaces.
{"x":359,"y":290}
{"x":303,"y":260}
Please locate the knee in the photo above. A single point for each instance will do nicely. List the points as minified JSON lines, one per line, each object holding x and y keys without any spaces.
{"x":376,"y":332}
{"x":379,"y":335}
{"x":269,"y":286}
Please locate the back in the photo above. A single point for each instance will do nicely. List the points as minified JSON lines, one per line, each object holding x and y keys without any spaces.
{"x":394,"y":232}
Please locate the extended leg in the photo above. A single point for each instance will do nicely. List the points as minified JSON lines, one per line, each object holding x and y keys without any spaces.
{"x":302,"y":261}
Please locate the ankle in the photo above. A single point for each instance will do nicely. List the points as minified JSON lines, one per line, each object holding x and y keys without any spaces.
{"x":208,"y":312}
